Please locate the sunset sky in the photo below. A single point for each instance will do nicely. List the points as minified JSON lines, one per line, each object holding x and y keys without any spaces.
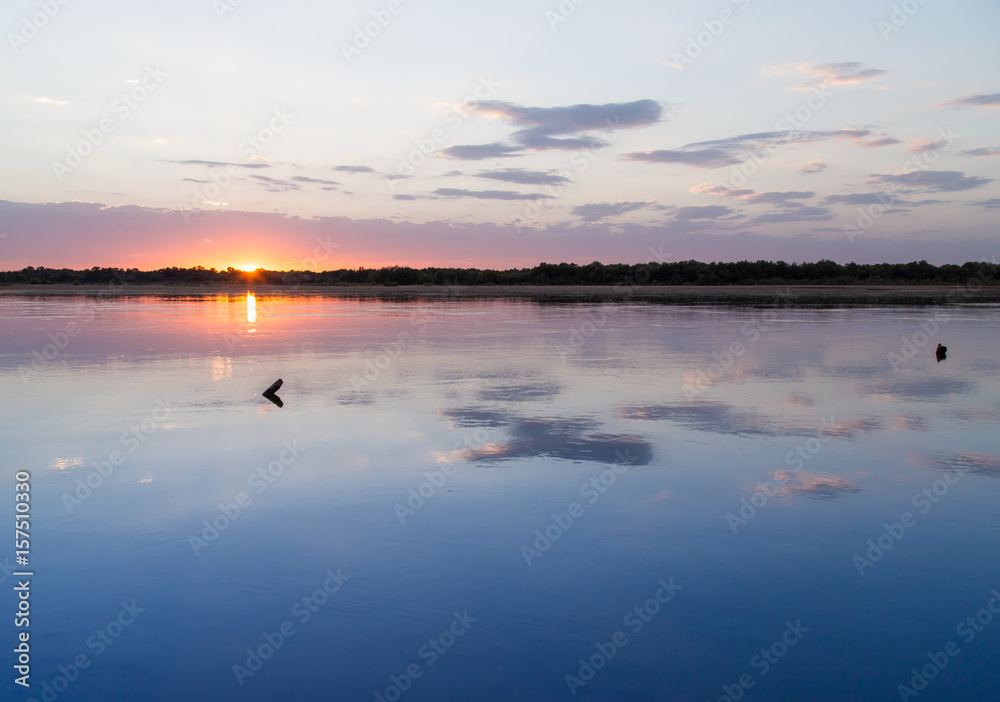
{"x":317,"y":134}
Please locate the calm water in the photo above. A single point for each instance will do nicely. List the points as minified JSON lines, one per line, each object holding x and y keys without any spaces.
{"x":473,"y":500}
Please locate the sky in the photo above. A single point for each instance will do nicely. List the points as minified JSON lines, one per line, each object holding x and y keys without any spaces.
{"x":315,"y":135}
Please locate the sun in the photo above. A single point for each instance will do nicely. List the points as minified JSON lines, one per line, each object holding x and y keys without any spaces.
{"x":249,"y":268}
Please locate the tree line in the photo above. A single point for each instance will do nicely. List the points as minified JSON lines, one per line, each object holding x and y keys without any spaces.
{"x":822,"y":272}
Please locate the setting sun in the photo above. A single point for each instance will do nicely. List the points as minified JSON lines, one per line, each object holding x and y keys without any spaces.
{"x":249,"y":268}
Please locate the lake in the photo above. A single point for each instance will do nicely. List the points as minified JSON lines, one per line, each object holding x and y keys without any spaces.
{"x":503,"y":499}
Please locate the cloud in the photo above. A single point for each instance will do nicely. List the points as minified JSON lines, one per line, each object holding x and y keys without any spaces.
{"x":919,"y":389}
{"x":276,"y":185}
{"x":921,"y":146}
{"x":701,"y":212}
{"x":795,"y":483}
{"x":977,"y":100}
{"x":797,"y":214}
{"x":738,"y":149}
{"x":478,"y":152}
{"x":719,"y":418}
{"x":354,"y":169}
{"x":306,"y":179}
{"x":882,"y":198}
{"x":713,"y":189}
{"x":931,"y":181}
{"x":980,"y":463}
{"x":991,"y":204}
{"x":405,"y":197}
{"x":523,"y":177}
{"x":879,"y":142}
{"x":490,"y":194}
{"x":982,"y":152}
{"x":596,"y":211}
{"x":49,"y":101}
{"x":779,"y":197}
{"x":846,"y":73}
{"x":812,"y":167}
{"x":559,"y":128}
{"x":81,"y":235}
{"x":567,"y":439}
{"x":219,"y":164}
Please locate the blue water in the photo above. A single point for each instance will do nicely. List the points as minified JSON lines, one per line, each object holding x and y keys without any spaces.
{"x":501,"y":500}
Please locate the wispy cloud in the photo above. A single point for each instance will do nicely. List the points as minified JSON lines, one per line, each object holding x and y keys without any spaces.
{"x":306,"y":179}
{"x":354,"y":169}
{"x":977,"y":100}
{"x":812,"y":167}
{"x":931,"y":181}
{"x":276,"y":185}
{"x":779,"y":196}
{"x":921,"y":146}
{"x":523,"y":177}
{"x":478,"y":152}
{"x":738,"y":149}
{"x":990,"y":204}
{"x":982,"y":152}
{"x":882,"y":198}
{"x":794,"y":214}
{"x":702,"y":212}
{"x":559,"y":128}
{"x":596,"y":211}
{"x":490,"y":194}
{"x":713,"y":189}
{"x":219,"y":164}
{"x":49,"y":101}
{"x":846,"y":73}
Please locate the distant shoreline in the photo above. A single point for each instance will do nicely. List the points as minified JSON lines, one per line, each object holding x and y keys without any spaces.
{"x":778,"y":295}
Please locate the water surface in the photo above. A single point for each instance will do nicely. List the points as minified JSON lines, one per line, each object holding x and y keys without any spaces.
{"x":488,"y":490}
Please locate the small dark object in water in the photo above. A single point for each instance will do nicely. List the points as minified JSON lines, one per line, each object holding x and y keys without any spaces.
{"x":941,"y":352}
{"x":269,"y":393}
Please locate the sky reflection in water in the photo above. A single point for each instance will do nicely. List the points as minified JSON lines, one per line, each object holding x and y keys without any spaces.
{"x":473,"y":422}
